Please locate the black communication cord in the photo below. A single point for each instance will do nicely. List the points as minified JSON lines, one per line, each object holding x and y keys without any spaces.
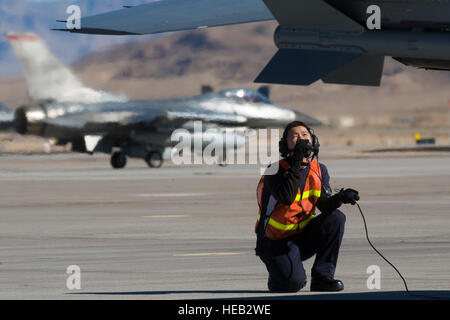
{"x":385,"y":259}
{"x":379,"y":253}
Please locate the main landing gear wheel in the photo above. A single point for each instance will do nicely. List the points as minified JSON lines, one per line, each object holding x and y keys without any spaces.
{"x":154,"y":159}
{"x":118,"y":160}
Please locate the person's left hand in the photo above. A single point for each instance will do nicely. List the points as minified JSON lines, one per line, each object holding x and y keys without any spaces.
{"x":349,"y":196}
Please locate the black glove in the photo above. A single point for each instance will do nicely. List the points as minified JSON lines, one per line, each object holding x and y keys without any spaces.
{"x":302,"y":150}
{"x":348,"y":196}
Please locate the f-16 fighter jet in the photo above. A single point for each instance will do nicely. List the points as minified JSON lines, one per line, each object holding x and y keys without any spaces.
{"x":63,"y":108}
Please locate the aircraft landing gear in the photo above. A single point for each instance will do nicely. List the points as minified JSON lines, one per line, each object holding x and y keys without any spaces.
{"x":118,"y":160}
{"x":154,"y":159}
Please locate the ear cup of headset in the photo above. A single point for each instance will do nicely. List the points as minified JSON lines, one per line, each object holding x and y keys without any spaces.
{"x":315,"y":145}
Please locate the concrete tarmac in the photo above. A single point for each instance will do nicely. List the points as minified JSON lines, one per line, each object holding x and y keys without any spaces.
{"x":186,"y":232}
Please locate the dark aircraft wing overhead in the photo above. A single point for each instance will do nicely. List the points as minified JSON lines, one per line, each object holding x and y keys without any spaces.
{"x":297,"y":66}
{"x":175,"y":15}
{"x":311,"y":14}
{"x":317,"y":39}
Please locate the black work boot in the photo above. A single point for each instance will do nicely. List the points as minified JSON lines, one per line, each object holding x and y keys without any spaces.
{"x":326,"y":284}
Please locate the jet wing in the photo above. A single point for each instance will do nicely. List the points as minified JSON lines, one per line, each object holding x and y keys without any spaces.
{"x":177,"y":118}
{"x":102,"y":121}
{"x":175,"y":15}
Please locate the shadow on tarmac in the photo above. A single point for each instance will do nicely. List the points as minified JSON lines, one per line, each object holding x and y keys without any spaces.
{"x":373,"y":295}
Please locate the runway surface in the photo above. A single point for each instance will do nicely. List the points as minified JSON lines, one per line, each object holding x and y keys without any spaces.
{"x":187,"y":232}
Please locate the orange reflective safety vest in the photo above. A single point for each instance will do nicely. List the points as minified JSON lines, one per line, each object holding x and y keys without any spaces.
{"x":288,"y":220}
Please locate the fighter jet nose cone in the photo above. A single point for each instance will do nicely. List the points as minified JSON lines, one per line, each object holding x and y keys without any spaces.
{"x":310,"y":121}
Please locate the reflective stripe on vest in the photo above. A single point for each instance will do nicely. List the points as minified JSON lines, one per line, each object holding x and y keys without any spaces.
{"x":307,"y":194}
{"x":288,"y":220}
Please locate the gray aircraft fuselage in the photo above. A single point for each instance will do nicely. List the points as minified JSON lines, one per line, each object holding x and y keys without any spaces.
{"x":71,"y":120}
{"x":414,"y":32}
{"x":431,"y":15}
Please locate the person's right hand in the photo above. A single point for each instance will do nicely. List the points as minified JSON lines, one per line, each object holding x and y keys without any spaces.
{"x":302,"y":150}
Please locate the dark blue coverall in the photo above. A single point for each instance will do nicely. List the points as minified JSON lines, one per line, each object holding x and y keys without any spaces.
{"x":321,"y":237}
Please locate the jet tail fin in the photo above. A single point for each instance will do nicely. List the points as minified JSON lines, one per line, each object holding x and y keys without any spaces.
{"x":47,"y":78}
{"x":265,"y":91}
{"x":303,"y":67}
{"x":206,"y":88}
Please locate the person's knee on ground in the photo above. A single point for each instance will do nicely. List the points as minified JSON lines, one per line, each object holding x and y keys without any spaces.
{"x":294,"y":284}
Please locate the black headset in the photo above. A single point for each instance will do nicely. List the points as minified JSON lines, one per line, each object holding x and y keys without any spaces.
{"x":283,"y":147}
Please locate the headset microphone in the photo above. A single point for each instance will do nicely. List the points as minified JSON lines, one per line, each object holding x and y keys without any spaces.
{"x":312,"y":148}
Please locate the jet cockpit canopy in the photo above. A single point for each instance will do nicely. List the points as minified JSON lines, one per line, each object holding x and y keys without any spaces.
{"x":248,"y":95}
